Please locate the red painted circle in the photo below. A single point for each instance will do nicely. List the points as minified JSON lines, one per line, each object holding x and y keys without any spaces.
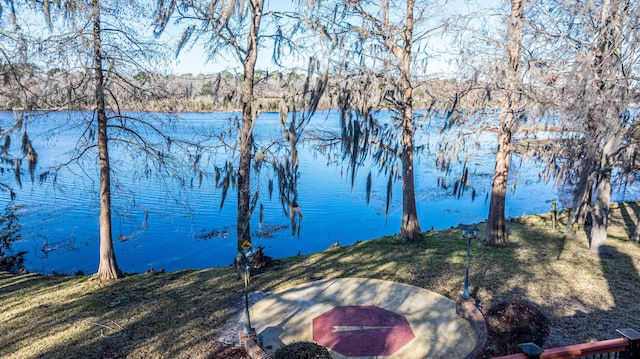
{"x":362,"y":331}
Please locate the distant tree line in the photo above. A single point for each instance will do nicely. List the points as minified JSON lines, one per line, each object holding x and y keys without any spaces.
{"x":58,"y":89}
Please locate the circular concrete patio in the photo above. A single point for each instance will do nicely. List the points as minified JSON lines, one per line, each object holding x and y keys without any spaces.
{"x":364,"y":318}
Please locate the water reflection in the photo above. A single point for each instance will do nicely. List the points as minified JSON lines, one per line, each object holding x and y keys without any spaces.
{"x":11,"y":260}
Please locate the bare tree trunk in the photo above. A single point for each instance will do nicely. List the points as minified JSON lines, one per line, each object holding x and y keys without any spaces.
{"x":636,"y":232}
{"x":496,"y":228}
{"x":108,"y":268}
{"x":410,"y":227}
{"x":600,"y":212}
{"x":583,"y":190}
{"x":246,"y":130}
{"x":585,"y":207}
{"x":496,"y":223}
{"x":582,"y":196}
{"x":607,"y":62}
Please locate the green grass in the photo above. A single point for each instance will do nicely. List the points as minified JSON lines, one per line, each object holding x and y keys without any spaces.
{"x":181,"y":314}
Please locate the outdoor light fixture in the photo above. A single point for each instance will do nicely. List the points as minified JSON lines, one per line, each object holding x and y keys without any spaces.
{"x":468,"y":234}
{"x":245,"y":259}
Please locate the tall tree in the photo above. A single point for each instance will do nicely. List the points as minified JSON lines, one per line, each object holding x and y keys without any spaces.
{"x":410,"y":227}
{"x":386,"y":59}
{"x":509,"y":116}
{"x":234,"y":26}
{"x":249,"y":116}
{"x":108,"y":267}
{"x":608,"y":119}
{"x":592,"y":63}
{"x":106,"y":56}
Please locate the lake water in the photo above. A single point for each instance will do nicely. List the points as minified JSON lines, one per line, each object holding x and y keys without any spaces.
{"x":159,"y":223}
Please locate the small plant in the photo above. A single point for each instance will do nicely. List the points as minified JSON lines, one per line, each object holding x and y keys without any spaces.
{"x":302,"y":350}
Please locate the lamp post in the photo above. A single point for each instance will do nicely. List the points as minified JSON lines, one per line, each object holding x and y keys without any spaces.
{"x":245,"y":259}
{"x":468,"y":234}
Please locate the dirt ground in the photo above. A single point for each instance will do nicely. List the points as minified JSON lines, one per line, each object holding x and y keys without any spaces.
{"x":510,"y":323}
{"x":230,"y":352}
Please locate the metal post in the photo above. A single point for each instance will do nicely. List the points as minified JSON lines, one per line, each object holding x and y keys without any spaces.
{"x":531,"y":350}
{"x":247,"y":319}
{"x":468,"y":233}
{"x":465,"y":293}
{"x":554,"y":215}
{"x":245,"y":258}
{"x":633,"y":337}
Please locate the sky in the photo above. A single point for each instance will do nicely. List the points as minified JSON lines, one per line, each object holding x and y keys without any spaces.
{"x":193,"y":60}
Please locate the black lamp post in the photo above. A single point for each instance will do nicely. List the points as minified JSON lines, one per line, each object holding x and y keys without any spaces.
{"x":245,"y":259}
{"x":468,"y":234}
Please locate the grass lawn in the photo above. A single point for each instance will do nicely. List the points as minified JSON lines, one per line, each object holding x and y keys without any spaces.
{"x":181,"y":314}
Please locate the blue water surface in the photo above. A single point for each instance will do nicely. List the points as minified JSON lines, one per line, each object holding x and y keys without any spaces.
{"x":163,"y":223}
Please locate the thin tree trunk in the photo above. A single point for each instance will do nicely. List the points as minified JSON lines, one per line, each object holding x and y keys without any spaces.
{"x":585,"y":207}
{"x":607,"y":61}
{"x":583,"y":191}
{"x":108,"y":268}
{"x":636,"y":233}
{"x":601,"y":213}
{"x":246,"y":130}
{"x":410,"y":227}
{"x":583,"y":202}
{"x":496,"y":227}
{"x":496,"y":223}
